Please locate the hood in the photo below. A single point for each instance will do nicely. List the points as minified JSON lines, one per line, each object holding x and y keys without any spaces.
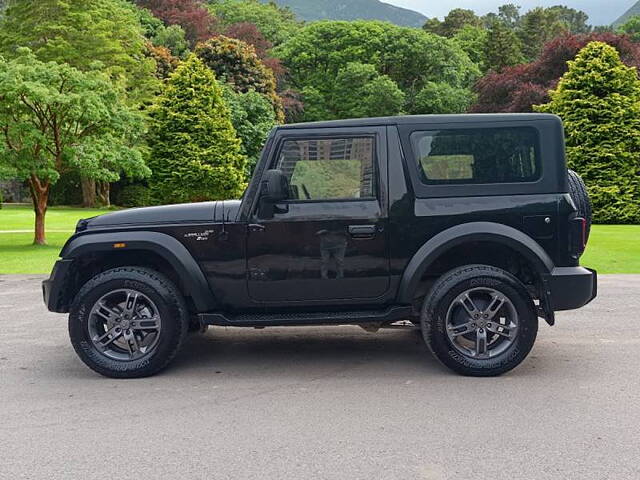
{"x":167,"y":214}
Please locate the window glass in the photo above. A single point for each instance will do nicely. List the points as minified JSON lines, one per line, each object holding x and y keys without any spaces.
{"x":329,"y":168}
{"x":478,"y":156}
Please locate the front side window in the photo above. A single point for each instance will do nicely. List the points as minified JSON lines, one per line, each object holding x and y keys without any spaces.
{"x":329,"y":168}
{"x":477,"y":156}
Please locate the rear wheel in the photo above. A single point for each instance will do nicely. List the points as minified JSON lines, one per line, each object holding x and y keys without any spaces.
{"x":128,"y":322}
{"x":479,"y":320}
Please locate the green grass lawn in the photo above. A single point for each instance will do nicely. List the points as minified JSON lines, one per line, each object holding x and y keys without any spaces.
{"x":612,"y":248}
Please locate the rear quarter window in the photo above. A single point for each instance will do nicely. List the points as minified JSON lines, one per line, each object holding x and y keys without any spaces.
{"x":477,"y":156}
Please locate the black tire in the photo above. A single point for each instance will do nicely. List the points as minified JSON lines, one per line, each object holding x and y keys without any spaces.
{"x":580,"y":197}
{"x":441,"y":300}
{"x":171,"y":309}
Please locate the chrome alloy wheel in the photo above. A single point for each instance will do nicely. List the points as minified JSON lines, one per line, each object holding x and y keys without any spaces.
{"x":124,"y":325}
{"x":481,"y":323}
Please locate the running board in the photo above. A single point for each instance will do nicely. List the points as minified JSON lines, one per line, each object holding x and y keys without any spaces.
{"x":391,"y":314}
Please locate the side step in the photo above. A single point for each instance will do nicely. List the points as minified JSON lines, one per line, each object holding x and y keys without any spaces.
{"x":391,"y":314}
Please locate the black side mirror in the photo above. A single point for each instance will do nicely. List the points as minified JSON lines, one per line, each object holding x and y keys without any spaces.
{"x":274,"y":188}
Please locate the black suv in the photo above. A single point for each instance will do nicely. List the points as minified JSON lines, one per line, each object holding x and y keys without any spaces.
{"x":469,"y":226}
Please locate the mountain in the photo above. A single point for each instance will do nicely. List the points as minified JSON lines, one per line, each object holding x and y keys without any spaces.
{"x":353,"y":10}
{"x":635,"y":10}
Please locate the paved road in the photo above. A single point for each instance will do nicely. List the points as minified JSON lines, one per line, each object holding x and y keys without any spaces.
{"x":323,"y":403}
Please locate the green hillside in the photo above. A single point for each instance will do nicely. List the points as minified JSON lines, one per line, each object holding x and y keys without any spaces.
{"x":353,"y":10}
{"x":634,"y":10}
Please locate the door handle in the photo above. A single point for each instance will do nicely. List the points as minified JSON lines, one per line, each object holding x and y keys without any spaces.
{"x":362,"y":231}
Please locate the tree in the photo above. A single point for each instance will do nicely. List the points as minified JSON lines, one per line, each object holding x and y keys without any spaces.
{"x":455,"y":21}
{"x":173,"y":38}
{"x":191,"y":15}
{"x":166,"y":63}
{"x":360,"y":91}
{"x":54,"y":119}
{"x":537,"y":27}
{"x":509,"y":14}
{"x":253,"y":117}
{"x":599,"y":101}
{"x":276,"y":23}
{"x":575,"y":21}
{"x":631,"y":27}
{"x":195,"y":153}
{"x":473,"y":42}
{"x":409,"y":57}
{"x":236,"y":63}
{"x":81,"y":34}
{"x":502,"y":48}
{"x":517,"y":89}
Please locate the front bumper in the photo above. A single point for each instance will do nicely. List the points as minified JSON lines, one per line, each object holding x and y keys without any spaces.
{"x":572,"y":287}
{"x":55,"y":287}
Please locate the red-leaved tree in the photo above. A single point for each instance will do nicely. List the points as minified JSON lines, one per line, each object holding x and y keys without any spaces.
{"x":191,"y":15}
{"x":518,"y":88}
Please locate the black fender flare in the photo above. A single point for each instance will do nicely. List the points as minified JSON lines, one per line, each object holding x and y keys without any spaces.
{"x":174,"y":252}
{"x":470,"y":232}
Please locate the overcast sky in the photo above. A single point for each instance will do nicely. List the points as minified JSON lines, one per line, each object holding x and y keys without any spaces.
{"x":601,"y":12}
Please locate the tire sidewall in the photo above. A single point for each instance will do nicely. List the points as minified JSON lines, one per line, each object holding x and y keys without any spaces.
{"x":171,"y":317}
{"x":435,"y":334}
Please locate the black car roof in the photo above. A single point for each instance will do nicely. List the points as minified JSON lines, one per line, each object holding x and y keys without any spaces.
{"x":422,"y":119}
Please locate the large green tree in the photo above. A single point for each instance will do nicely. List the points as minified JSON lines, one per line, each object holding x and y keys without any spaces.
{"x":537,"y":27}
{"x":409,"y":57}
{"x":502,"y":48}
{"x":195,"y":153}
{"x":80,"y":34}
{"x":54,"y":119}
{"x":456,"y":19}
{"x":599,"y":101}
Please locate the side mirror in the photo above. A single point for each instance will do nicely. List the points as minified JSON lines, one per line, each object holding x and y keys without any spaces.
{"x":274,"y":188}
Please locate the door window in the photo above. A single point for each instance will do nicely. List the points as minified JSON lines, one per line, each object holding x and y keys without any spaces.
{"x":329,"y":168}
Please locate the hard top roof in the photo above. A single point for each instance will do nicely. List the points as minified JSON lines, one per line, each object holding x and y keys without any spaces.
{"x":423,"y":119}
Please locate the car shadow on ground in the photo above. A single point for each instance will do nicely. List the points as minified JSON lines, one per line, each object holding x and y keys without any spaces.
{"x":304,"y":350}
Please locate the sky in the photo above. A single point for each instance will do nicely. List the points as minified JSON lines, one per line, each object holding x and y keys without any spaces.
{"x":601,"y":12}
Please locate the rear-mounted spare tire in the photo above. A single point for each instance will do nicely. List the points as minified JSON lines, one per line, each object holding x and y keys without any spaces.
{"x":580,"y":197}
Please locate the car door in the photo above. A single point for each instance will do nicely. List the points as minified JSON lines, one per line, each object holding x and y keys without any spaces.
{"x":328,"y":241}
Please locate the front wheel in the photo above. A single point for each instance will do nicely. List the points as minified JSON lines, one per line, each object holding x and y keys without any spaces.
{"x":128,"y":322}
{"x":479,"y":320}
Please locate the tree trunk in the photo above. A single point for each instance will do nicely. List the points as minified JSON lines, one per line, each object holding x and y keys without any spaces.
{"x":40,"y":198}
{"x":103,"y":189}
{"x":88,"y":192}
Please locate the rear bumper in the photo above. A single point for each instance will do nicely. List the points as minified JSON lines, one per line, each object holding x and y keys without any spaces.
{"x":54,"y":288}
{"x":572,"y":287}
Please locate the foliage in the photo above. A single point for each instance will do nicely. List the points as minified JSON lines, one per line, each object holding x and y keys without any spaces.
{"x":276,"y":23}
{"x":166,"y":63}
{"x":56,"y":119}
{"x":537,"y":27}
{"x":517,"y":88}
{"x":80,"y":34}
{"x":442,"y":98}
{"x":599,"y":101}
{"x":456,"y":20}
{"x":195,"y":154}
{"x":360,"y":91}
{"x":473,"y":41}
{"x":172,"y":37}
{"x":631,"y":27}
{"x":409,"y":57}
{"x":502,"y":48}
{"x":253,"y":117}
{"x":236,"y":63}
{"x":134,"y":195}
{"x":67,"y":190}
{"x":191,"y":15}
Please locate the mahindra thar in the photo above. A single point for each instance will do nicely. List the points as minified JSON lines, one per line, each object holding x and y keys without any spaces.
{"x":469,"y":227}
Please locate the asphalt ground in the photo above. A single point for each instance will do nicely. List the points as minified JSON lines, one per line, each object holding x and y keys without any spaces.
{"x":323,"y":403}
